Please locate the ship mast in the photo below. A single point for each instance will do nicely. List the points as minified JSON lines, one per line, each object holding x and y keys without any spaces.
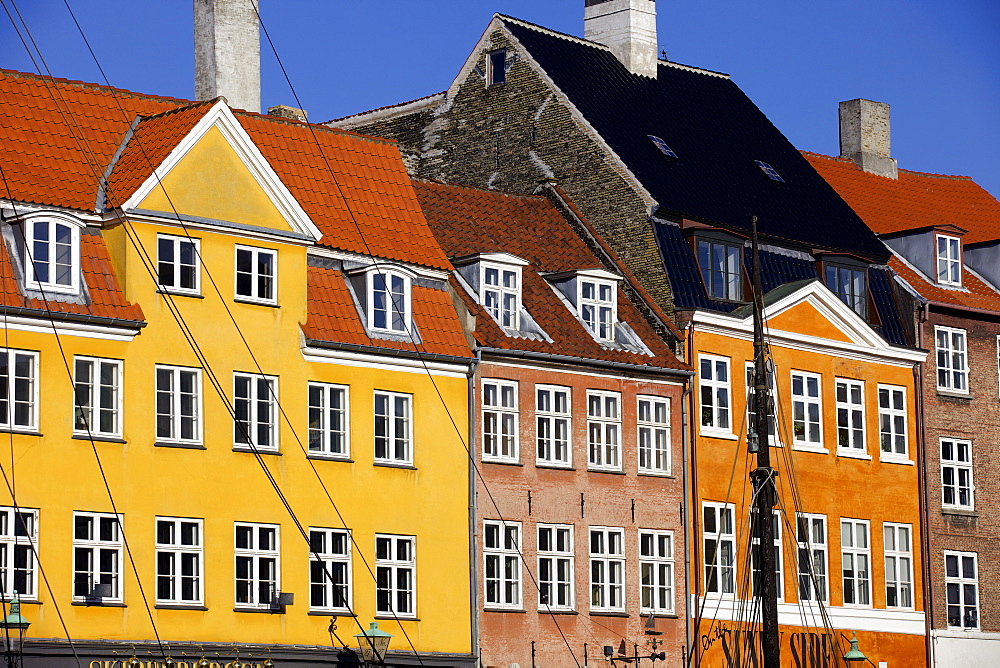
{"x":763,"y":477}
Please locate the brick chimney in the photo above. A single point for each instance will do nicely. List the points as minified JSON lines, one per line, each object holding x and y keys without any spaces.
{"x":864,"y":136}
{"x":628,"y":28}
{"x":227,"y":52}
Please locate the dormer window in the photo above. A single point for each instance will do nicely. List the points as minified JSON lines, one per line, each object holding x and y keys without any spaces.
{"x":388,"y":301}
{"x":721,"y":269}
{"x":52,"y":260}
{"x":501,"y":293}
{"x":598,"y":307}
{"x":850,"y":284}
{"x":496,"y":67}
{"x":949,"y":260}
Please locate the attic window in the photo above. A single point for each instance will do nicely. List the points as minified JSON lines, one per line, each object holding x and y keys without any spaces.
{"x":389,"y":301}
{"x":770,"y":171}
{"x":501,"y":293}
{"x":496,"y":67}
{"x":52,"y":257}
{"x":662,"y":145}
{"x":598,"y":307}
{"x":949,"y":260}
{"x":850,"y":284}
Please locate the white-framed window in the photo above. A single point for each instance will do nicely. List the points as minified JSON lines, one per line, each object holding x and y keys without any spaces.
{"x":961,"y":581}
{"x":328,"y":420}
{"x":18,"y":389}
{"x":892,"y":421}
{"x":502,"y":564}
{"x":855,"y":555}
{"x":850,"y":395}
{"x":256,"y":274}
{"x":18,"y":542}
{"x":52,"y":260}
{"x":97,"y":557}
{"x":98,"y":400}
{"x":501,"y":293}
{"x":501,"y":420}
{"x":851,"y":285}
{"x":388,"y":301}
{"x":949,"y":260}
{"x":599,"y":307}
{"x":720,"y":549}
{"x":552,"y":422}
{"x":898,"y":548}
{"x":654,"y":434}
{"x":258,"y":564}
{"x":807,"y":421}
{"x":177,"y":264}
{"x":811,"y":544}
{"x":755,"y":556}
{"x":607,"y":569}
{"x":555,"y":567}
{"x":178,"y":404}
{"x":329,"y":570}
{"x":255,"y":400}
{"x":714,"y":384}
{"x":721,"y":269}
{"x":957,"y":490}
{"x":772,"y":423}
{"x":179,"y":561}
{"x":656,"y":571}
{"x":496,"y":67}
{"x":395,"y":575}
{"x":604,"y":430}
{"x":952,"y":359}
{"x":393,"y":428}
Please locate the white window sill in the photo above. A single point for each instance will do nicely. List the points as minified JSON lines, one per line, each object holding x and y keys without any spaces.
{"x":896,"y":460}
{"x":513,"y":461}
{"x":818,"y":449}
{"x":708,"y":432}
{"x":655,"y":473}
{"x":258,"y":450}
{"x":558,"y":611}
{"x":853,"y":454}
{"x":949,"y":392}
{"x":554,"y":465}
{"x":256,"y":302}
{"x":959,"y":510}
{"x":858,"y":606}
{"x":605,"y":469}
{"x":180,"y":292}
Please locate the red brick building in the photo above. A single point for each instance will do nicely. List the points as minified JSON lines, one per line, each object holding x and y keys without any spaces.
{"x":578,"y":450}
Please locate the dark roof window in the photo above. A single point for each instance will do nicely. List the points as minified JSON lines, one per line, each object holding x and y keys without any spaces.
{"x":662,"y":145}
{"x":496,"y":67}
{"x":770,"y":171}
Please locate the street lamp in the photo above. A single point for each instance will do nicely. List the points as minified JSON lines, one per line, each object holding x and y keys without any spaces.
{"x":14,"y":621}
{"x":373,"y":644}
{"x":854,"y":654}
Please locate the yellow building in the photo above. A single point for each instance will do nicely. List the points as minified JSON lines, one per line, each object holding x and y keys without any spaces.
{"x":235,"y":388}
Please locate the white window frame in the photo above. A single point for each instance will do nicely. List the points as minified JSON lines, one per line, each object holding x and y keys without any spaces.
{"x":724,"y":535}
{"x":957,"y":465}
{"x":175,"y":398}
{"x":731,"y":274}
{"x":97,"y":548}
{"x":850,"y":408}
{"x":772,"y":382}
{"x":955,"y":359}
{"x":394,"y":437}
{"x":254,"y":422}
{"x":89,"y":398}
{"x":555,"y":449}
{"x":502,"y":579}
{"x":898,"y":558}
{"x":556,"y":567}
{"x":325,"y":564}
{"x":598,"y":314}
{"x":962,"y":582}
{"x":607,"y":569}
{"x":604,"y":430}
{"x":656,"y":572}
{"x":501,"y":420}
{"x":807,"y":401}
{"x":179,"y":552}
{"x":31,"y":252}
{"x":13,"y":383}
{"x":500,"y":300}
{"x":654,"y":446}
{"x":860,"y":586}
{"x":255,"y":295}
{"x":716,"y":407}
{"x":18,"y":550}
{"x":394,"y":303}
{"x":779,"y":563}
{"x":393,"y":566}
{"x":323,"y":435}
{"x":256,"y":556}
{"x":948,"y":251}
{"x":893,"y":423}
{"x":811,"y":553}
{"x":176,"y":244}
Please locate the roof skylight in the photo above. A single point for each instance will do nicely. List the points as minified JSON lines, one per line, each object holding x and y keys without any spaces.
{"x":770,"y":171}
{"x":662,"y":145}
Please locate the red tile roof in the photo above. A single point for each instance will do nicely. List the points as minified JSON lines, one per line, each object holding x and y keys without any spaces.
{"x":913,"y":201}
{"x":468,"y":221}
{"x":974,"y":293}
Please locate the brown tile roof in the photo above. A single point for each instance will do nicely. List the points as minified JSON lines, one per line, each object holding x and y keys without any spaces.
{"x":334,"y":318}
{"x":468,"y":221}
{"x":913,"y":201}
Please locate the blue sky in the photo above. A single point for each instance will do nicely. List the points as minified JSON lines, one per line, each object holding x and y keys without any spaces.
{"x":934,"y":61}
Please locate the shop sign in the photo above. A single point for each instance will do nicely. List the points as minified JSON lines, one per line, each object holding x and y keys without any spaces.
{"x":739,"y":648}
{"x":122,"y":663}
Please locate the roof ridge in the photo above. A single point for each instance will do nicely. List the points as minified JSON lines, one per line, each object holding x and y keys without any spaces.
{"x":835,"y":158}
{"x":93,"y":86}
{"x":384,"y":107}
{"x":485,"y":191}
{"x":178,"y":110}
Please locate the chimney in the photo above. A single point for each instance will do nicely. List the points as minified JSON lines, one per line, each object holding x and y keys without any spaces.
{"x":291,"y":113}
{"x":864,"y":136}
{"x":628,"y":28}
{"x":227,"y":52}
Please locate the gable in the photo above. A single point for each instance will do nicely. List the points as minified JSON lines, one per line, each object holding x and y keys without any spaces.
{"x":805,"y":318}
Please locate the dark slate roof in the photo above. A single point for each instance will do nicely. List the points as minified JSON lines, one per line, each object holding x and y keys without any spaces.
{"x":891,"y":329}
{"x":717,"y":133}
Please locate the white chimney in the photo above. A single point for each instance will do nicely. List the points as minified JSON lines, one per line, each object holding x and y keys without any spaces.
{"x":864,"y":136}
{"x":227,"y":52}
{"x":628,"y":28}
